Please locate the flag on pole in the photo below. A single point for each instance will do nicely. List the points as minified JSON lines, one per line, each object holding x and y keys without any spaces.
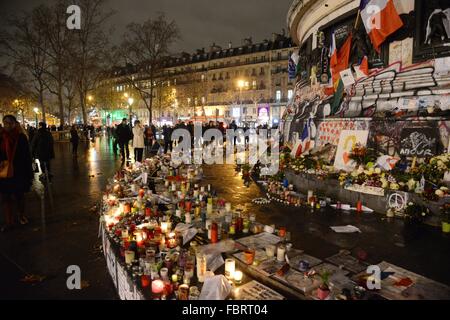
{"x":292,"y":67}
{"x":339,"y":59}
{"x":305,"y":144}
{"x":362,"y":70}
{"x":381,"y":19}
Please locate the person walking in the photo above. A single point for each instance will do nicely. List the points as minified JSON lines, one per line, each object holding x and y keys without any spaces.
{"x":167,"y":133}
{"x":16,"y":172}
{"x":138,"y":141}
{"x":74,"y":139}
{"x":124,"y":135}
{"x":42,"y":149}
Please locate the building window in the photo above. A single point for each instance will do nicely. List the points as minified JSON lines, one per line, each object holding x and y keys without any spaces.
{"x":279,"y":56}
{"x":203,"y":100}
{"x":278,"y":95}
{"x":244,"y":110}
{"x":203,"y":77}
{"x":254,"y":84}
{"x":290,"y":94}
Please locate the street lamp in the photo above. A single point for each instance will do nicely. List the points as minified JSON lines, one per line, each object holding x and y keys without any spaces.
{"x":36,"y":110}
{"x":130,"y":103}
{"x":241,"y":85}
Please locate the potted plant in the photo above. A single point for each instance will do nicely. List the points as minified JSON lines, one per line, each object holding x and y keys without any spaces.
{"x":446,"y":218}
{"x":416,"y":213}
{"x":324,"y":289}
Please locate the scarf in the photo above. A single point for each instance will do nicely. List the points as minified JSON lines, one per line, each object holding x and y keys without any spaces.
{"x":9,"y":140}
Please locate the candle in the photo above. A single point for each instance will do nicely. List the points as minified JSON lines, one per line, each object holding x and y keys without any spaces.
{"x":157,"y":286}
{"x":195,"y":193}
{"x":281,"y":253}
{"x":201,"y":267}
{"x":202,"y":189}
{"x":164,"y":227}
{"x":145,"y":281}
{"x":188,"y":218}
{"x":174,"y":278}
{"x":238,"y":276}
{"x":183,"y":292}
{"x":166,"y":184}
{"x":129,"y":256}
{"x":178,"y":213}
{"x":228,"y":207}
{"x":230,"y":267}
{"x":174,"y":187}
{"x":164,"y":273}
{"x":209,"y":207}
{"x":310,"y":196}
{"x":270,"y":251}
{"x":124,"y":233}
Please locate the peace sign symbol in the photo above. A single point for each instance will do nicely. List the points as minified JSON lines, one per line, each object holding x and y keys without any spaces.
{"x":397,"y":201}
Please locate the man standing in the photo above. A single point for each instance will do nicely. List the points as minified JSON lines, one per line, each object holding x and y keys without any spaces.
{"x":74,"y":139}
{"x":42,"y":148}
{"x":124,"y":135}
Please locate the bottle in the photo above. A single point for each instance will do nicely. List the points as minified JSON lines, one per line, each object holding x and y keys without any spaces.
{"x":214,"y":232}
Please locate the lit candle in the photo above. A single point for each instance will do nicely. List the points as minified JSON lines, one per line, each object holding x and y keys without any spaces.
{"x":157,"y":286}
{"x":174,"y":278}
{"x":228,"y":207}
{"x":188,"y":218}
{"x":230,"y":266}
{"x":164,"y":273}
{"x":174,"y":187}
{"x":164,"y":227}
{"x":129,"y":257}
{"x":238,"y":276}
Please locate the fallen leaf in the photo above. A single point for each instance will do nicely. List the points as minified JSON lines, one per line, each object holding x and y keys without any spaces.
{"x":84,"y":284}
{"x":33,"y":278}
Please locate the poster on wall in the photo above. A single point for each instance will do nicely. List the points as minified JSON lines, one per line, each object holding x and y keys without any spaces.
{"x":347,"y":140}
{"x":418,"y":142}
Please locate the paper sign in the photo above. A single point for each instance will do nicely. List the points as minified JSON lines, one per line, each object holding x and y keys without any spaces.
{"x":442,"y":65}
{"x":347,"y":78}
{"x":188,"y":235}
{"x":348,"y":139}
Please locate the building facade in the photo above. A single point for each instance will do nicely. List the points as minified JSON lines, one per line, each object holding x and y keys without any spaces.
{"x":248,"y":84}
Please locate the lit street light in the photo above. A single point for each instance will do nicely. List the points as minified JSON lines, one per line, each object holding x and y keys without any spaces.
{"x":36,"y":110}
{"x":130,"y":104}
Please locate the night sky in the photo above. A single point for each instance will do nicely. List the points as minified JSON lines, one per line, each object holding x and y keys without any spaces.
{"x":201,"y":22}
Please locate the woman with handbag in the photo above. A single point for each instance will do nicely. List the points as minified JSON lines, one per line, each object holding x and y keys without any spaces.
{"x":16,"y":173}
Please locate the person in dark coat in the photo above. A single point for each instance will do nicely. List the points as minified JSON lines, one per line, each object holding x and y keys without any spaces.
{"x":167,"y":133}
{"x":42,"y":148}
{"x":74,"y":139}
{"x":17,"y":175}
{"x":124,"y":135}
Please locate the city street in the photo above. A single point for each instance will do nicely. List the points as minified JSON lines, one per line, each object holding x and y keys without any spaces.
{"x":66,"y":234}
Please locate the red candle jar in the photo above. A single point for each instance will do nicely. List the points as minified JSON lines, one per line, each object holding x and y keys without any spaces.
{"x":148,"y":212}
{"x":282,"y":232}
{"x":359,"y":206}
{"x":214,"y":232}
{"x":145,"y":281}
{"x":168,"y":289}
{"x":188,"y":206}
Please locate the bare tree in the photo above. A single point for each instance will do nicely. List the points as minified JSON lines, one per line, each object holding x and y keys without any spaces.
{"x":24,"y":46}
{"x":91,"y":54}
{"x":52,"y":21}
{"x":146,"y":46}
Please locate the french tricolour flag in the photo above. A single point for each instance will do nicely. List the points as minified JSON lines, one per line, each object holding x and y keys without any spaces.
{"x":380,"y":18}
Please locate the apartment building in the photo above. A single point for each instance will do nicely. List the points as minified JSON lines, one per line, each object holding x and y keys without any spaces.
{"x":247,"y":83}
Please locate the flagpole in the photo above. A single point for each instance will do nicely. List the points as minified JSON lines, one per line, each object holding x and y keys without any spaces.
{"x":357,"y":19}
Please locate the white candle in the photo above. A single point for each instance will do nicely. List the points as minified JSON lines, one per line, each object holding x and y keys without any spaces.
{"x":238,"y":276}
{"x":281,"y":253}
{"x":178,"y":213}
{"x":195,"y":193}
{"x":129,"y":257}
{"x":188,"y":218}
{"x":202,"y":189}
{"x":230,"y":266}
{"x":270,"y":251}
{"x":164,"y":227}
{"x":201,"y":267}
{"x":228,"y":207}
{"x":164,"y":273}
{"x":174,"y":187}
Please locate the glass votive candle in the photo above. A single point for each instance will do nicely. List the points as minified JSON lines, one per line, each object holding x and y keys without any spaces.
{"x":238,"y":275}
{"x":129,"y":256}
{"x":270,"y":250}
{"x":157,"y":286}
{"x":249,"y":255}
{"x":164,"y":273}
{"x":230,"y":267}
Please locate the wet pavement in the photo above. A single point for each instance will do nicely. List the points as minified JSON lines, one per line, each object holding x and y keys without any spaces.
{"x":67,"y":233}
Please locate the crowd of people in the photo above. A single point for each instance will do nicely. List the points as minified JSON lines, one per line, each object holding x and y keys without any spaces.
{"x":20,"y":148}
